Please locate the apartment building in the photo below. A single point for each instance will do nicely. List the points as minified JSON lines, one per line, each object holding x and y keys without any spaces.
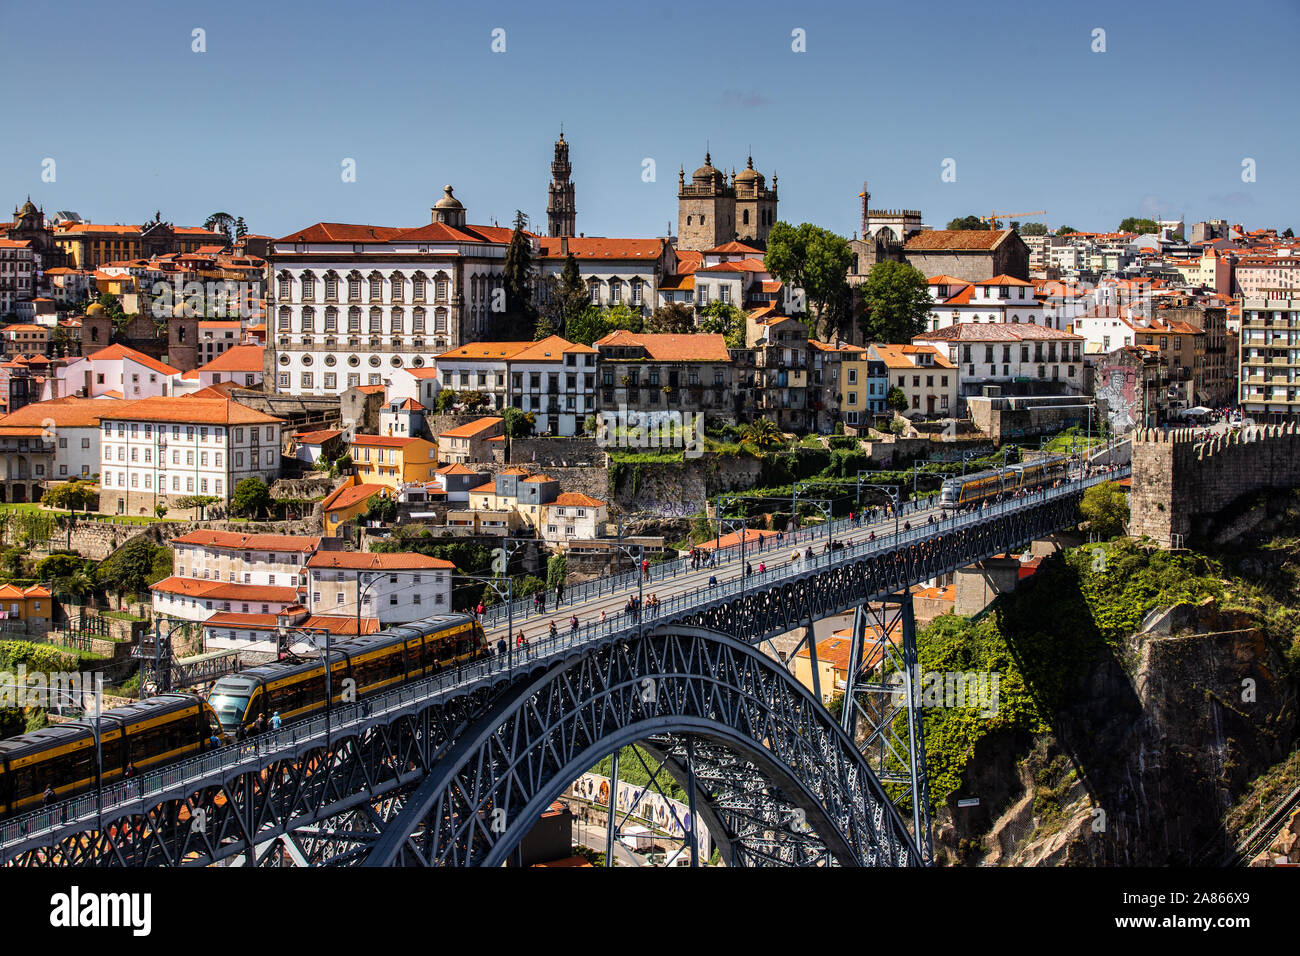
{"x":159,"y":450}
{"x":780,"y":390}
{"x":554,"y":379}
{"x":1270,"y":359}
{"x":1002,"y":298}
{"x":1020,"y":359}
{"x":392,"y":460}
{"x":349,"y":304}
{"x":116,"y":372}
{"x":826,"y":394}
{"x":664,"y":375}
{"x":261,"y":559}
{"x":863,"y":386}
{"x":573,"y":516}
{"x":927,"y":377}
{"x":48,"y":442}
{"x":17,"y":274}
{"x":394,"y":588}
{"x":470,"y":442}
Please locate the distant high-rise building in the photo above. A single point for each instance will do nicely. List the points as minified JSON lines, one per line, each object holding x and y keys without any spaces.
{"x":561,"y":214}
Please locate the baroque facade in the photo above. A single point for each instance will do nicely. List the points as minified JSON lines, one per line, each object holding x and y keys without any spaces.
{"x":351,"y":304}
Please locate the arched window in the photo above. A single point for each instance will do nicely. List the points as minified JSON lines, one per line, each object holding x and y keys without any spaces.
{"x":593,"y":290}
{"x":308,"y":322}
{"x":395,"y":322}
{"x":376,"y":319}
{"x":746,"y":220}
{"x":308,"y":287}
{"x":354,"y":287}
{"x":439,"y":320}
{"x":354,"y":319}
{"x":283,"y":323}
{"x":376,"y":287}
{"x":331,"y":286}
{"x":331,"y":319}
{"x":417,"y":321}
{"x":285,"y":283}
{"x":398,"y":283}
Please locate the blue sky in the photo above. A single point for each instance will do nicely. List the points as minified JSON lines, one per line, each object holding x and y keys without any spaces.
{"x":260,"y":123}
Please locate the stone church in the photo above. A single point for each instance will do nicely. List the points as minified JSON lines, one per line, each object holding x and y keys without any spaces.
{"x":712,"y":211}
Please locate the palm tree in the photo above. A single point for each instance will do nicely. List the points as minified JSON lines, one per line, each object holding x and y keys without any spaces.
{"x":763,"y":434}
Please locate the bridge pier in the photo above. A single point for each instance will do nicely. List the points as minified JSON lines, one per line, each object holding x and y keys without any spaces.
{"x":978,"y":585}
{"x":882,"y":710}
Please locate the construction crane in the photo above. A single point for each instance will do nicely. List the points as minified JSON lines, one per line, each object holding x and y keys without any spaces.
{"x":994,"y":216}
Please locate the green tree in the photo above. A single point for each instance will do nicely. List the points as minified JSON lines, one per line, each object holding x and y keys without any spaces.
{"x":724,"y":319}
{"x":1105,"y":508}
{"x":557,"y":571}
{"x":813,"y":260}
{"x":61,"y":565}
{"x":160,"y":510}
{"x":762,"y":434}
{"x":896,"y":400}
{"x":381,"y":508}
{"x":675,"y":318}
{"x":13,"y":562}
{"x":545,"y":327}
{"x":520,"y":314}
{"x":1288,"y":233}
{"x":446,"y":398}
{"x":472,"y":399}
{"x":222,"y":222}
{"x":518,"y":423}
{"x":131,"y":568}
{"x":197,"y":503}
{"x":1140,"y":226}
{"x":897,"y":300}
{"x":1033,"y":229}
{"x":968,"y":222}
{"x":251,"y":498}
{"x":566,"y":297}
{"x":621,"y":316}
{"x":1065,"y":230}
{"x":72,"y":495}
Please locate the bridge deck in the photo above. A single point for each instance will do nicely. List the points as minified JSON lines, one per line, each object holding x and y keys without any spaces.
{"x":685,"y":597}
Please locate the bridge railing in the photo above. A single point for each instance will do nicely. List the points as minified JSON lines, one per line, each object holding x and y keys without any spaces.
{"x":254,"y":753}
{"x":524,"y":607}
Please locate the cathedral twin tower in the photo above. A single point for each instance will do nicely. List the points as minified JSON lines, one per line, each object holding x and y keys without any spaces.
{"x":710,"y":210}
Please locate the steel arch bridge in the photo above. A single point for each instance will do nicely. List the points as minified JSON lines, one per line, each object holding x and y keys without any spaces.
{"x":456,"y":772}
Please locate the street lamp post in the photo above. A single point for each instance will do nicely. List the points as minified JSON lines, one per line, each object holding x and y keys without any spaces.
{"x":508,"y":595}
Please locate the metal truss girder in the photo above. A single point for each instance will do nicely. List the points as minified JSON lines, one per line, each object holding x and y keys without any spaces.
{"x":674,"y":683}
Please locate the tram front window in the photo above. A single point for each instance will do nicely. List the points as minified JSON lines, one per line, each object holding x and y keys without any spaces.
{"x":230,"y":709}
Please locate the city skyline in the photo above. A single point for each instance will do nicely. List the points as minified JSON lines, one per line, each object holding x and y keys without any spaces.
{"x":442,"y":108}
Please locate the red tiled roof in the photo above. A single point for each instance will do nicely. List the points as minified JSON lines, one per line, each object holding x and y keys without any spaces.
{"x":116,"y":352}
{"x":222,"y":591}
{"x":697,"y":347}
{"x":470,"y":429}
{"x":371,"y":561}
{"x":190,"y":410}
{"x":249,"y":542}
{"x":959,"y":240}
{"x":316,"y":437}
{"x":384,"y":441}
{"x":349,"y":495}
{"x":237,"y":358}
{"x":601,"y":247}
{"x":577,"y":499}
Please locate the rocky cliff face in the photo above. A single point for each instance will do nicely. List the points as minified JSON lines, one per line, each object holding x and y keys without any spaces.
{"x":1145,"y":760}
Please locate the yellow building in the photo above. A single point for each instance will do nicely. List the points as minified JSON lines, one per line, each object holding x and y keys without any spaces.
{"x":393,"y":461}
{"x":833,"y":660}
{"x":345,"y":503}
{"x":25,"y":604}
